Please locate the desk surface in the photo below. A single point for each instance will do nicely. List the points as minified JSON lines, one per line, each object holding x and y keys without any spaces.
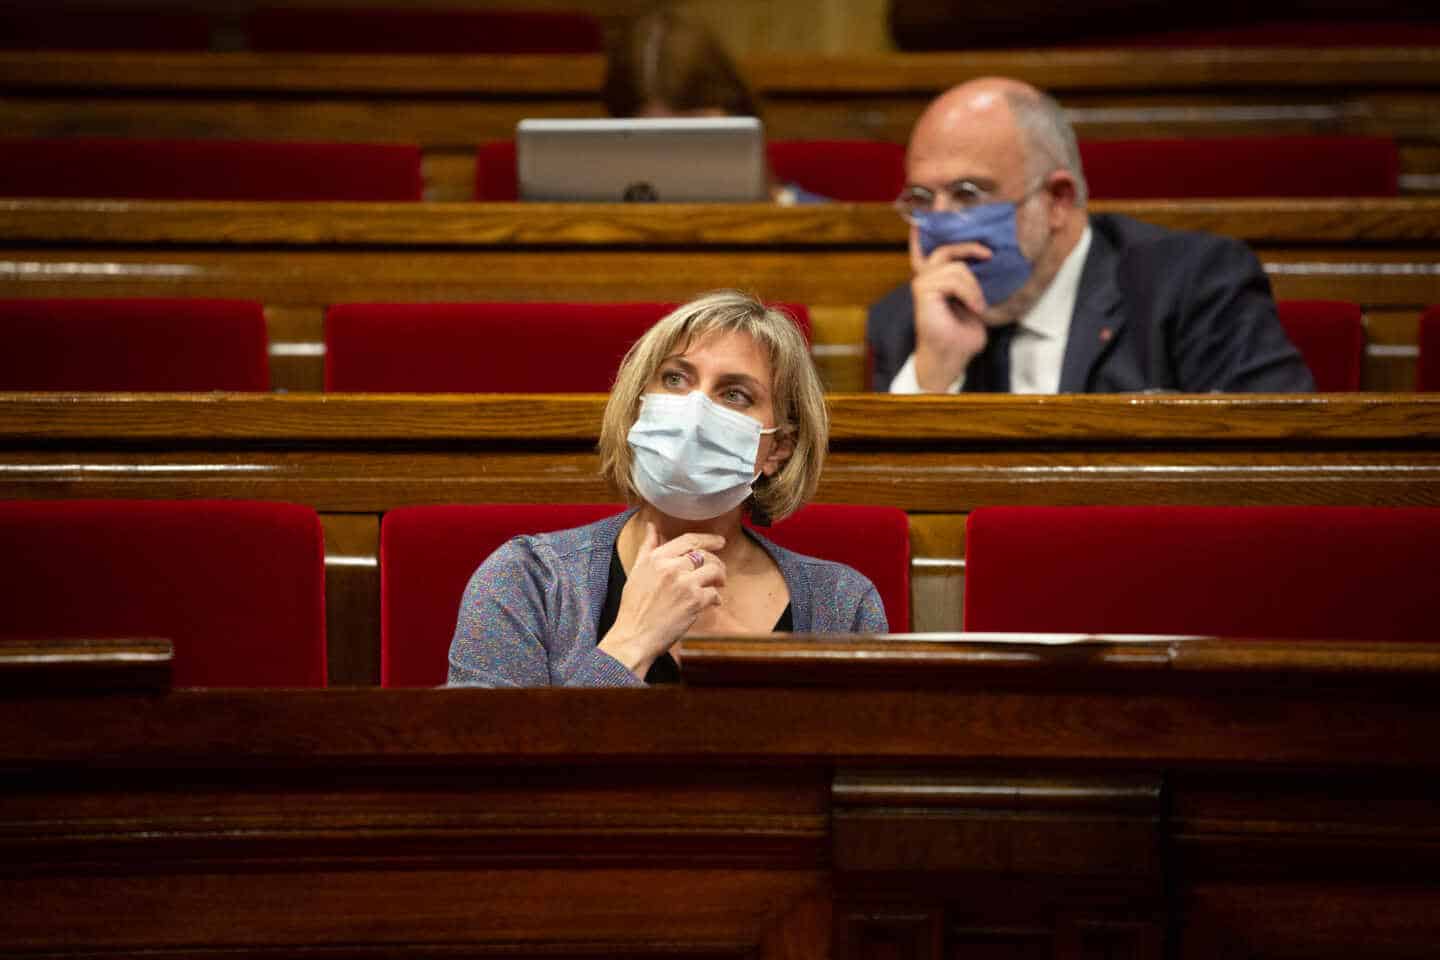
{"x":1261,"y":809}
{"x":480,"y":76}
{"x":1371,"y":222}
{"x":838,"y":258}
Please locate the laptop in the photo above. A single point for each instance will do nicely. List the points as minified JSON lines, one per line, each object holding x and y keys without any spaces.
{"x":642,"y":159}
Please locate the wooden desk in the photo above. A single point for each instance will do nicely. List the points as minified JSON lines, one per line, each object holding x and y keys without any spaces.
{"x":353,"y":457}
{"x":296,"y":258}
{"x":449,"y":104}
{"x":1190,"y":799}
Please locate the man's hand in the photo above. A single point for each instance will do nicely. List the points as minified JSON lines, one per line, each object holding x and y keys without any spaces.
{"x":664,"y":592}
{"x":948,"y":303}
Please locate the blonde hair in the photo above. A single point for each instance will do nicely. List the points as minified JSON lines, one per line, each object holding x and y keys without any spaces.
{"x":799,"y":399}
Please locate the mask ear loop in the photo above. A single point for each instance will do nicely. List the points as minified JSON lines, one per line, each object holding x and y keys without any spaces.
{"x":759,"y":516}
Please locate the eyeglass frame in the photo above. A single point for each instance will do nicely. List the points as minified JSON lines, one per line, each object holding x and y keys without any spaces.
{"x":980,"y":196}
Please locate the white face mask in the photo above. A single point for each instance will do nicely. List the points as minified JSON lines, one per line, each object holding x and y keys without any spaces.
{"x":692,"y":458}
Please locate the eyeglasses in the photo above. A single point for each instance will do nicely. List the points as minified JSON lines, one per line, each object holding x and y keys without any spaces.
{"x":915,"y":201}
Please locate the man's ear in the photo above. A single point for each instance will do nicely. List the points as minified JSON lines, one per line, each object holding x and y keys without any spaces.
{"x":1061,"y":186}
{"x":782,"y":444}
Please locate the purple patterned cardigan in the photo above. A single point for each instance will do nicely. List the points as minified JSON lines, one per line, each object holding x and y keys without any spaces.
{"x":529,"y":612}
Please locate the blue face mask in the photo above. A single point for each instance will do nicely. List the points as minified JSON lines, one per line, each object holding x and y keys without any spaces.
{"x":991,"y":225}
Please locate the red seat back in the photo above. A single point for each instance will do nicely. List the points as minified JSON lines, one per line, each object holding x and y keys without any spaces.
{"x":497,"y":177}
{"x":1241,"y":167}
{"x":427,"y":555}
{"x":1330,"y":335}
{"x":873,"y":540}
{"x":1282,"y":33}
{"x":209,"y":170}
{"x":1357,"y":573}
{"x":237,"y":587}
{"x":855,"y":171}
{"x":1427,"y":372}
{"x":487,"y":347}
{"x":366,"y":30}
{"x":133,"y":345}
{"x":34,"y":28}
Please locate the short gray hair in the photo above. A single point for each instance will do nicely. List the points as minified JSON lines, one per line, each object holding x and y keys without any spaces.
{"x":1048,"y":137}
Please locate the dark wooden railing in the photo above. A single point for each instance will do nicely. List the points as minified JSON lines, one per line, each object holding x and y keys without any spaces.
{"x":837,"y":258}
{"x":354,"y":456}
{"x":1189,"y":797}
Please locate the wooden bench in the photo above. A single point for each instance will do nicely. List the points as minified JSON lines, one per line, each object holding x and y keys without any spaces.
{"x":449,"y":104}
{"x":1193,"y":798}
{"x":354,"y":456}
{"x":297,"y":258}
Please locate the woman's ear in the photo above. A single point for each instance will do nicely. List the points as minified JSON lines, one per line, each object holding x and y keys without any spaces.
{"x":782,"y":444}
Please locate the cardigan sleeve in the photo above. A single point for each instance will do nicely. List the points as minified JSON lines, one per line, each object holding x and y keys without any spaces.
{"x":870,"y":611}
{"x":514,"y":631}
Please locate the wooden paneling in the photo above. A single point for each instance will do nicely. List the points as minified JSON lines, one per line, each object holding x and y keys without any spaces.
{"x":449,"y":104}
{"x":354,"y":456}
{"x":85,"y":665}
{"x":1196,"y":797}
{"x":352,"y":598}
{"x":297,"y":258}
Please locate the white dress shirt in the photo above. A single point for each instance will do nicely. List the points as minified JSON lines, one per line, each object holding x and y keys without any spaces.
{"x":1038,"y":348}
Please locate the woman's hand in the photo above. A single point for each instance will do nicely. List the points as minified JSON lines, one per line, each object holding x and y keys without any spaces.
{"x":665,"y":591}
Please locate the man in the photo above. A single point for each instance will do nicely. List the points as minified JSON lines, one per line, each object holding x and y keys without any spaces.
{"x":1016,"y":288}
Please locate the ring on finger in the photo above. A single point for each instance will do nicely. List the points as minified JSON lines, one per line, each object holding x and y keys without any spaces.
{"x":697,"y":559}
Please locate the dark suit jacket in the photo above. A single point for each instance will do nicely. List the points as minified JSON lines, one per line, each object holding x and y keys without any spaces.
{"x":1157,"y":309}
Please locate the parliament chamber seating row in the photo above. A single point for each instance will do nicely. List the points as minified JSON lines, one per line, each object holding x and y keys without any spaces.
{"x":238,"y":587}
{"x":856,"y":171}
{"x":300,"y":259}
{"x":447,"y":105}
{"x":458,"y":30}
{"x":860,"y":171}
{"x":280,"y":29}
{"x":199,"y":345}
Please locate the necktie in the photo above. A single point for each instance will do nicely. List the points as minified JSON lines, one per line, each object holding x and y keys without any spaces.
{"x":997,"y":352}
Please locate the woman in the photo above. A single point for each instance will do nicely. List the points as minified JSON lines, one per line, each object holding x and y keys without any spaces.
{"x":716,"y":411}
{"x":664,"y":65}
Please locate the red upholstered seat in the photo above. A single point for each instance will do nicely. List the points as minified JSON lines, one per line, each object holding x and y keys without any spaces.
{"x":1330,"y":335}
{"x":427,"y":555}
{"x":237,"y":587}
{"x":1283,"y":33}
{"x":34,"y":28}
{"x":487,"y":347}
{"x":496,"y":172}
{"x":1427,"y":373}
{"x":132,"y":345}
{"x":1357,"y":573}
{"x":364,"y":30}
{"x":1241,"y":167}
{"x":209,"y":170}
{"x":873,"y":540}
{"x":855,"y":171}
{"x":849,"y":170}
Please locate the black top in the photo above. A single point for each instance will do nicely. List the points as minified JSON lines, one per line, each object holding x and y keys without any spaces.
{"x":664,"y":669}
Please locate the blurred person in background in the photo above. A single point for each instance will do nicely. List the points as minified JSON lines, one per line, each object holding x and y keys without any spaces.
{"x":663,"y":65}
{"x":1016,"y":287}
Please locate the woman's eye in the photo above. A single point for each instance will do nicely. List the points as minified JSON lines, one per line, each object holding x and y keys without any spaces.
{"x":672,"y":378}
{"x":737,"y":398}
